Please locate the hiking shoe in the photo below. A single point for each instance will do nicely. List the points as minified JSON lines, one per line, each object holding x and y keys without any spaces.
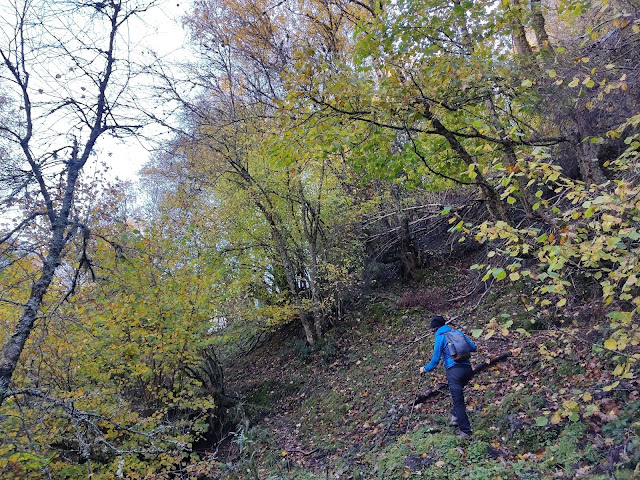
{"x":453,"y":421}
{"x":464,"y":436}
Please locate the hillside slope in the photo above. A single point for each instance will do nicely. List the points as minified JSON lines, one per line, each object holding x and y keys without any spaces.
{"x":347,"y":410}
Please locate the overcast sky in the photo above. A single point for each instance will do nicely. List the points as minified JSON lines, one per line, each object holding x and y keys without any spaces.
{"x":159,"y":30}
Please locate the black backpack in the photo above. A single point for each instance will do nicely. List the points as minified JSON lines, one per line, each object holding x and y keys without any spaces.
{"x":459,"y":348}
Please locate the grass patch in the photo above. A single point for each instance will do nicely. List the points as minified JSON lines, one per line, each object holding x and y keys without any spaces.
{"x":438,"y":456}
{"x":267,"y":393}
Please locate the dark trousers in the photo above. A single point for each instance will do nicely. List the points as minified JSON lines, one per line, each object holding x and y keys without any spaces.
{"x":457,"y":377}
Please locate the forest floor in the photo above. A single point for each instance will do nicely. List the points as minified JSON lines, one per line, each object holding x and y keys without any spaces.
{"x":346,"y":409}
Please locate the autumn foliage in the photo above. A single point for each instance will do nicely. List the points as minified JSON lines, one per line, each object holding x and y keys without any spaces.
{"x":324,"y":152}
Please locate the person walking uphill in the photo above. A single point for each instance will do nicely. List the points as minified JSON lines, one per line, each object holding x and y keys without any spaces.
{"x":458,"y":373}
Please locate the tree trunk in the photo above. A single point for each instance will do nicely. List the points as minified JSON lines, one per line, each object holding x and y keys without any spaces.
{"x":466,"y":36}
{"x":310,"y":226}
{"x":13,"y":348}
{"x":511,"y":157}
{"x":409,"y":257}
{"x":316,"y":297}
{"x":539,"y":25}
{"x":519,"y":35}
{"x":494,"y":204}
{"x":62,"y":228}
{"x":281,"y":246}
{"x":590,"y":170}
{"x":289,"y":274}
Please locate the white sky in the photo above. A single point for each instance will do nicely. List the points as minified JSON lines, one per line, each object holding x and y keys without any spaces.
{"x":161,"y":31}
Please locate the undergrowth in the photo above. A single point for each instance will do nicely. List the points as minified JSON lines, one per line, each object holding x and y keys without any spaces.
{"x":347,"y":407}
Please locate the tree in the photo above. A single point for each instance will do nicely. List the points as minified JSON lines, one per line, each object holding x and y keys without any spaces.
{"x":248,"y":53}
{"x":68,"y":76}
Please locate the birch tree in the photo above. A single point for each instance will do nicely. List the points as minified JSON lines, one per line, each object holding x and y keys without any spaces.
{"x":67,"y":73}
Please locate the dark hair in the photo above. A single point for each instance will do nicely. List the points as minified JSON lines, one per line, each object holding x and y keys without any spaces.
{"x":437,"y":321}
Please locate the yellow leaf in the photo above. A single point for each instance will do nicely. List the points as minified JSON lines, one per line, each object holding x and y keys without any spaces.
{"x":610,"y":344}
{"x":611,"y":387}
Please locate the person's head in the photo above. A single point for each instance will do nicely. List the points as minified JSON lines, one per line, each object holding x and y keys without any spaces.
{"x":437,"y":322}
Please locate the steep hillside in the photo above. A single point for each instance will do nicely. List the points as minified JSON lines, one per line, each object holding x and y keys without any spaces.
{"x":347,"y":410}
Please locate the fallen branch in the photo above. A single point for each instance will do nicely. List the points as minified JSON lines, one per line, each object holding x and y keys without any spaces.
{"x":443,"y":386}
{"x":396,"y":414}
{"x":306,"y":454}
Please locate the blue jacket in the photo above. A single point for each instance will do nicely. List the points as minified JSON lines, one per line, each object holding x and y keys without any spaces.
{"x":440,"y":350}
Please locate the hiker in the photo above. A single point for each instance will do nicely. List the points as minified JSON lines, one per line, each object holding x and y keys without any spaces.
{"x":458,"y":373}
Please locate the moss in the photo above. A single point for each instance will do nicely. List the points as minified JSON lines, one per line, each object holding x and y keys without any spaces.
{"x":565,"y":453}
{"x":437,"y":277}
{"x":377,"y":311}
{"x":568,"y":369}
{"x":525,"y":321}
{"x":438,"y":456}
{"x":326,"y":410}
{"x":535,"y":438}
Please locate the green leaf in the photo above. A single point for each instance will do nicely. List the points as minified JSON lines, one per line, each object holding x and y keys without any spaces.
{"x":499,"y":273}
{"x":477,"y":332}
{"x":542,"y":421}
